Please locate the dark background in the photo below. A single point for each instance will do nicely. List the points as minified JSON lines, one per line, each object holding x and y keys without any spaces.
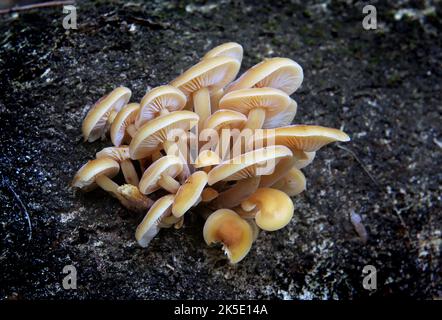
{"x":383,"y":87}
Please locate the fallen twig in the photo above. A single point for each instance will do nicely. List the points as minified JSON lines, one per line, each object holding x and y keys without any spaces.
{"x":361,"y":164}
{"x":6,"y":183}
{"x":36,"y":6}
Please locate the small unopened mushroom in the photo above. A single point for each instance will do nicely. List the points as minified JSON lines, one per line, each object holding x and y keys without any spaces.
{"x":125,"y":117}
{"x":257,"y":103}
{"x":152,"y":222}
{"x":293,"y":183}
{"x":247,"y":170}
{"x":189,"y":194}
{"x":158,"y":101}
{"x":234,"y":233}
{"x":121,"y":155}
{"x":161,"y":174}
{"x":209,"y":75}
{"x":96,"y":124}
{"x":99,"y":172}
{"x":272,"y":208}
{"x":279,"y":73}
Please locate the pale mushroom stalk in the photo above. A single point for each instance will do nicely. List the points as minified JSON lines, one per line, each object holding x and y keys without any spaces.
{"x":131,"y":130}
{"x":239,"y":192}
{"x":201,"y":105}
{"x":168,"y":183}
{"x":256,"y":118}
{"x":129,"y":172}
{"x":107,"y":184}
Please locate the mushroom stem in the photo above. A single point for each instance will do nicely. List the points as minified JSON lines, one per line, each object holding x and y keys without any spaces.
{"x":164,"y":111}
{"x":240,"y":191}
{"x":255,"y":118}
{"x":107,"y":184}
{"x":280,"y":170}
{"x":201,"y":105}
{"x":131,"y":130}
{"x":129,"y":172}
{"x":156,"y":155}
{"x":168,"y":183}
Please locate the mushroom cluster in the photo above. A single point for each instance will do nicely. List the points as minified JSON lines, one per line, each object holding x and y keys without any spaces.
{"x":209,"y":144}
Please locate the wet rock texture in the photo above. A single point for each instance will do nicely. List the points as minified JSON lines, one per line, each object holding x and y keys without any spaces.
{"x":383,"y":87}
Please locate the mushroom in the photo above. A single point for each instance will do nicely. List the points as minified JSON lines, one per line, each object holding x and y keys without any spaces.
{"x":158,"y":101}
{"x":121,"y":155}
{"x":225,"y":119}
{"x":206,"y":159}
{"x":258,"y":103}
{"x":161,"y":174}
{"x":154,"y":220}
{"x":124,"y":118}
{"x":96,"y":123}
{"x":300,"y":139}
{"x":227,"y":227}
{"x":209,"y":75}
{"x":293,"y":183}
{"x":99,"y":172}
{"x":189,"y":194}
{"x":279,"y":73}
{"x":302,"y":163}
{"x":247,"y":170}
{"x":157,"y":134}
{"x":271,"y":208}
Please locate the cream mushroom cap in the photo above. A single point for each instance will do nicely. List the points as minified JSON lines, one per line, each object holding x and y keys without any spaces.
{"x":94,"y":124}
{"x":86,"y":175}
{"x":212,"y":73}
{"x":272,"y":100}
{"x":118,"y":154}
{"x":151,"y":135}
{"x":161,"y":98}
{"x":167,"y":165}
{"x":124,"y":118}
{"x":150,"y":226}
{"x":229,"y":49}
{"x":248,"y":164}
{"x":283,"y":118}
{"x":189,"y":193}
{"x":274,"y":208}
{"x":224,"y":118}
{"x":227,"y":227}
{"x":207,"y":158}
{"x":280,"y":73}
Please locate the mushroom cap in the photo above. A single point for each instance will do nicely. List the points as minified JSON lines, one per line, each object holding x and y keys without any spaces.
{"x":207,"y":158}
{"x":280,"y":73}
{"x":293,"y":183}
{"x":85,"y":177}
{"x":272,"y":100}
{"x":151,"y":135}
{"x":209,"y":194}
{"x":226,"y":227}
{"x":229,"y":49}
{"x":212,"y":73}
{"x":160,"y":98}
{"x":223,"y":118}
{"x":248,"y":164}
{"x":149,"y":227}
{"x":125,"y":117}
{"x":274,"y":208}
{"x":308,"y":138}
{"x":95,"y":121}
{"x":115,"y":153}
{"x":283,"y":118}
{"x":189,"y":193}
{"x":167,"y":165}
